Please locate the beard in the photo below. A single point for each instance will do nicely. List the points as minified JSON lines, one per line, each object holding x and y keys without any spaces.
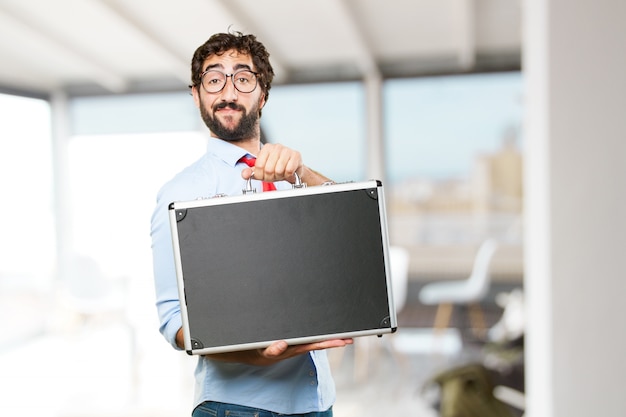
{"x":246,"y":128}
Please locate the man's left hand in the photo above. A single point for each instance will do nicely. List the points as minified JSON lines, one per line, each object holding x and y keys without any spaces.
{"x":275,"y":162}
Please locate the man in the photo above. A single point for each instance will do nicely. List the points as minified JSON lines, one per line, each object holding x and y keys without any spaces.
{"x":231,"y":78}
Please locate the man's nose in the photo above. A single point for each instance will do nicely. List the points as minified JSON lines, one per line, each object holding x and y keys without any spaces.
{"x":229,"y":92}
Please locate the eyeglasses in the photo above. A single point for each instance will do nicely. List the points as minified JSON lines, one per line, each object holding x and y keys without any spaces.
{"x":213,"y":81}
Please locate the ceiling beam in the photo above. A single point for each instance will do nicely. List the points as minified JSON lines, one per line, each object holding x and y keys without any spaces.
{"x":366,"y":61}
{"x":178,"y":64}
{"x":467,"y":34}
{"x":99,"y":71}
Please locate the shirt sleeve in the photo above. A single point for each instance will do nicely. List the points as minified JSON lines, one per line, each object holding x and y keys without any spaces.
{"x":167,"y":301}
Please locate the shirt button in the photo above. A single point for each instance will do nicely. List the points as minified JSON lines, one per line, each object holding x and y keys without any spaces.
{"x":311,"y":373}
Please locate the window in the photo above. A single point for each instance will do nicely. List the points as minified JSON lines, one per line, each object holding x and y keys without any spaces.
{"x":325,"y":122}
{"x":454,"y":163}
{"x":26,"y":215}
{"x":114,"y":180}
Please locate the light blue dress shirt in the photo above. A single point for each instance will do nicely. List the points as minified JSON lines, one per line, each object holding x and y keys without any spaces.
{"x":298,"y":385}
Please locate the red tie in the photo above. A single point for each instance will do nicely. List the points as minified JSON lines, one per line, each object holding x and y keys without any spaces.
{"x":250,"y":161}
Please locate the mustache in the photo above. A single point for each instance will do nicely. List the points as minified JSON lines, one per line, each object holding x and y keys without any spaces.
{"x":232,"y":105}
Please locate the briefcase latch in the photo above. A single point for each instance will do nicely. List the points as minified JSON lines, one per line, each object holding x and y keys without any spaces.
{"x":298,"y":183}
{"x":251,"y":190}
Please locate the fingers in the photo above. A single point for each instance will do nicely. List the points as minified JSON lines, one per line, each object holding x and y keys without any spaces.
{"x":276,"y":162}
{"x":275,"y":350}
{"x":281,"y":350}
{"x":246,"y":173}
{"x":329,"y":344}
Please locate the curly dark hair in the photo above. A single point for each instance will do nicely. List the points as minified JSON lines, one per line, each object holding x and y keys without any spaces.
{"x":244,"y":44}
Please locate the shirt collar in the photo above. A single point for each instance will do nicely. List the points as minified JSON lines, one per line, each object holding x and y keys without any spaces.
{"x":225,"y":151}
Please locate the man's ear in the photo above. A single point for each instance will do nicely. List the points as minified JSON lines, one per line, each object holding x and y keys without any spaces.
{"x":196,"y":96}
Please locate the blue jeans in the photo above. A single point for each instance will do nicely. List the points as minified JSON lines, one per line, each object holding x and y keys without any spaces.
{"x":215,"y":409}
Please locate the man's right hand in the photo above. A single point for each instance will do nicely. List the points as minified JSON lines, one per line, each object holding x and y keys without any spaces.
{"x":276,"y":352}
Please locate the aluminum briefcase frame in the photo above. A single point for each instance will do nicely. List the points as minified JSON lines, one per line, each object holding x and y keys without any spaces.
{"x":301,"y":265}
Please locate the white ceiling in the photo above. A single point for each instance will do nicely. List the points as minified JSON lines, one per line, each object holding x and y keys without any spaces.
{"x":117,"y":46}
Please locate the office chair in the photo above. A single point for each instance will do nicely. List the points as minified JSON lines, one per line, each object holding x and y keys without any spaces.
{"x":470,"y":291}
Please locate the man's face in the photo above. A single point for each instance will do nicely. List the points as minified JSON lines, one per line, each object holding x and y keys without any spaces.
{"x":230,"y":114}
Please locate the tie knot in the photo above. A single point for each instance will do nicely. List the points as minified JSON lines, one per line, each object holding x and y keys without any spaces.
{"x":248,"y":160}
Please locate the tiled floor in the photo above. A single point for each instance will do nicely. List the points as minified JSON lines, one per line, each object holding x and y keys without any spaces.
{"x":392,"y":381}
{"x":92,"y":375}
{"x":92,"y":371}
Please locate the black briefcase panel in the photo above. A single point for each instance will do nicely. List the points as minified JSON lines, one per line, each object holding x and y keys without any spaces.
{"x":300,"y":265}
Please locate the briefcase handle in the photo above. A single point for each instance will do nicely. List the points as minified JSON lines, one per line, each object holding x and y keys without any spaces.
{"x":249,"y":189}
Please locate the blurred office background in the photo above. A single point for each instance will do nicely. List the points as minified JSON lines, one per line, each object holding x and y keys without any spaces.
{"x":486,"y":121}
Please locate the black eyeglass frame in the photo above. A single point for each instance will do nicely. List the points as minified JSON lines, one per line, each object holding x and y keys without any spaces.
{"x":232,"y":79}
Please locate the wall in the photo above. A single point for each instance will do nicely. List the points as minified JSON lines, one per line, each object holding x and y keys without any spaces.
{"x":574,"y":65}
